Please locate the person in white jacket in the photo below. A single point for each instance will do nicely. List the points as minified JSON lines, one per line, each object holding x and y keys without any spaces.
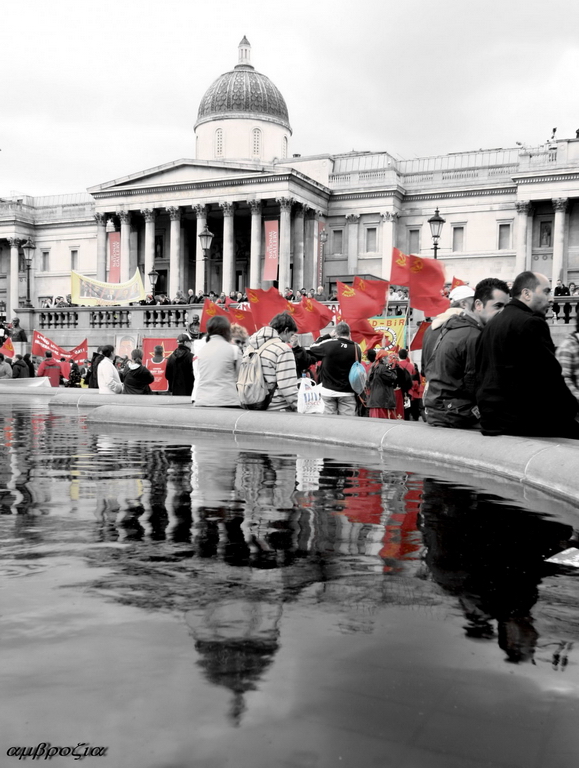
{"x":108,"y":376}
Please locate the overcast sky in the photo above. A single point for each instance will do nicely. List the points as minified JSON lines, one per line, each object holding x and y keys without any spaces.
{"x":93,"y":90}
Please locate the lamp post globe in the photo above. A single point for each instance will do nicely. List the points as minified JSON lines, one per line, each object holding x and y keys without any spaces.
{"x":436,"y":223}
{"x":28,"y":247}
{"x":205,"y":238}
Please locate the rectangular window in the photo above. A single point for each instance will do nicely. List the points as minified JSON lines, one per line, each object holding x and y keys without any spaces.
{"x":371,"y":240}
{"x":504,"y":237}
{"x":74,"y":259}
{"x":414,"y":241}
{"x":337,"y":240}
{"x":46,"y":261}
{"x":457,"y":239}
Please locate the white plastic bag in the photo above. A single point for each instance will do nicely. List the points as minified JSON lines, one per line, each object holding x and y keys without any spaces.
{"x":310,"y":397}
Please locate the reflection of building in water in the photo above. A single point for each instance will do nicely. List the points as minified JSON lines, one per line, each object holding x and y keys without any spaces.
{"x":236,"y":641}
{"x":491,"y":556}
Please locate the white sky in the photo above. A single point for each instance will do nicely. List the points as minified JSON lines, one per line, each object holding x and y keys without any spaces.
{"x":96,"y":89}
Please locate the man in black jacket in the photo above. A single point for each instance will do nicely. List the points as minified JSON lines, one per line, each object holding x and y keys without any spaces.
{"x":338,"y":353}
{"x":521,"y":390}
{"x":450,"y":399}
{"x":179,"y":370}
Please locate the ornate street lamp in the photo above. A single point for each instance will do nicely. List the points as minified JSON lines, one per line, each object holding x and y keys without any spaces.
{"x":28,"y":247}
{"x":436,"y":223}
{"x":205,"y":238}
{"x":153,"y":277}
{"x":323,"y":241}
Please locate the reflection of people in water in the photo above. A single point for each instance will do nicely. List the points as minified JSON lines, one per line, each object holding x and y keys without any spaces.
{"x":492,"y":557}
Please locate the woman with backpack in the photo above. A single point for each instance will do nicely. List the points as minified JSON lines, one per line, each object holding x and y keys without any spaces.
{"x":387,"y":383}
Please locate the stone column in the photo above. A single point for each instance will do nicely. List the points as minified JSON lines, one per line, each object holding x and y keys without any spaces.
{"x":228,"y":279}
{"x":389,"y":221}
{"x":175,"y":266}
{"x":149,"y":214}
{"x":101,"y":245}
{"x":255,"y":250}
{"x":524,"y":210}
{"x":13,"y":289}
{"x":310,"y":223}
{"x":352,"y":220}
{"x":298,"y":249}
{"x":201,"y":213}
{"x":560,"y":205}
{"x":285,"y":205}
{"x":125,"y":218}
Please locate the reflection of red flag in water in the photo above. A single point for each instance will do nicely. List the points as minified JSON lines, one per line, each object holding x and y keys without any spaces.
{"x":265,"y":304}
{"x":363,"y":497}
{"x":401,"y":536}
{"x":361,"y":300}
{"x":456,"y":282}
{"x":419,"y":336}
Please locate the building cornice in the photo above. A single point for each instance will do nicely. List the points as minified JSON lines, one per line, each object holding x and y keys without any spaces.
{"x":454,"y":193}
{"x":538,"y":178}
{"x":237,"y":181}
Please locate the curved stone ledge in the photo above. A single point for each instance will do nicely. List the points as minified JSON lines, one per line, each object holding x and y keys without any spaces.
{"x":90,"y":398}
{"x":546,"y":465}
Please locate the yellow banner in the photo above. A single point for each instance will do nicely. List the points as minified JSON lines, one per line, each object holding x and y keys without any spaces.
{"x":93,"y":293}
{"x":393,"y":329}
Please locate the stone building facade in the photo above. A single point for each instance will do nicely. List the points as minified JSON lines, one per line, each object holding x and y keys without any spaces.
{"x":505,"y":209}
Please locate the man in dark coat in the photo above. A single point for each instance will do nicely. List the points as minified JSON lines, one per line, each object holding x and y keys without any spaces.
{"x":20,"y":369}
{"x":136,"y":378}
{"x":450,"y":399}
{"x":93,"y":382}
{"x":179,"y":370}
{"x":521,"y":390}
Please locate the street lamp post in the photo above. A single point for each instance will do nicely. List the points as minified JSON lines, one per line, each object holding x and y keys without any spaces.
{"x":153,"y":277}
{"x":28,"y":247}
{"x":323,"y":241}
{"x":205,"y":238}
{"x":436,"y":223}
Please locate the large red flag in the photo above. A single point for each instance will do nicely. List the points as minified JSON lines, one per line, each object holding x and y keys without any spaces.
{"x":320,"y":314}
{"x":358,"y":303}
{"x":400,"y":270}
{"x":210,"y":309}
{"x":8,"y":349}
{"x":42,"y":344}
{"x":243,"y":317}
{"x":363,"y":333}
{"x":265,"y":304}
{"x":416,"y":342}
{"x":378,"y":289}
{"x":426,"y":284}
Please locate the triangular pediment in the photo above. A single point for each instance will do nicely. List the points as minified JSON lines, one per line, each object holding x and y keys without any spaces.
{"x":184,"y":171}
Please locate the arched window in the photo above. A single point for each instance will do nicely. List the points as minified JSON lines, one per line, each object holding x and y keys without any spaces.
{"x":284,"y":147}
{"x":256,"y":142}
{"x":219,"y":142}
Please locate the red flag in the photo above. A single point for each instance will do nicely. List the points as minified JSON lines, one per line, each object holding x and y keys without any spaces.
{"x":7,"y":349}
{"x":358,"y":303}
{"x":363,"y":333}
{"x":426,"y":284}
{"x":317,"y":315}
{"x":210,"y":309}
{"x":265,"y":304}
{"x":42,"y":344}
{"x":243,"y":317}
{"x":416,"y":342}
{"x":456,"y":282}
{"x":400,"y":270}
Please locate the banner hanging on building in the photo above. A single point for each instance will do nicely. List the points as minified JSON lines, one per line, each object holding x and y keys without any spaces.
{"x":42,"y":344}
{"x":93,"y":293}
{"x":271,"y":250}
{"x":155,"y":354}
{"x":320,"y":259}
{"x":114,"y":257}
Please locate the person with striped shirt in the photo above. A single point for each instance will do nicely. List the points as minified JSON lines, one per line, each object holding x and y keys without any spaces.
{"x":277,"y":361}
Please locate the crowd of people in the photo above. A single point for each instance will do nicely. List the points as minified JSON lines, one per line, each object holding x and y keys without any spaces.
{"x":487,"y":363}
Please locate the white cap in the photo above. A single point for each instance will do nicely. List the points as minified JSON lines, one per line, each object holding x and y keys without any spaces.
{"x":461,"y":292}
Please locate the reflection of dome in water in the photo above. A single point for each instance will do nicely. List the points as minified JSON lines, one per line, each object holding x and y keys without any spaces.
{"x":243,"y":92}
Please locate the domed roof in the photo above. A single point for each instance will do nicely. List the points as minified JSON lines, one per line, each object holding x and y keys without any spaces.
{"x":243,"y":92}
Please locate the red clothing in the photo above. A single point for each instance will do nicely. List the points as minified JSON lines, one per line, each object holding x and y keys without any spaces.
{"x":65,"y":368}
{"x":51,"y":369}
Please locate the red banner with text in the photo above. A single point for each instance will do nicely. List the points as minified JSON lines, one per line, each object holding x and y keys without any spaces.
{"x":271,"y":250}
{"x":42,"y":344}
{"x":155,"y":354}
{"x":320,"y":259}
{"x":114,"y":257}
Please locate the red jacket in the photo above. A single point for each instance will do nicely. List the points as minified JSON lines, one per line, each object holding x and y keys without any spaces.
{"x":50,"y":368}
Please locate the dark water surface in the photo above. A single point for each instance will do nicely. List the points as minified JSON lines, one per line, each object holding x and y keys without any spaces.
{"x":189,"y":601}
